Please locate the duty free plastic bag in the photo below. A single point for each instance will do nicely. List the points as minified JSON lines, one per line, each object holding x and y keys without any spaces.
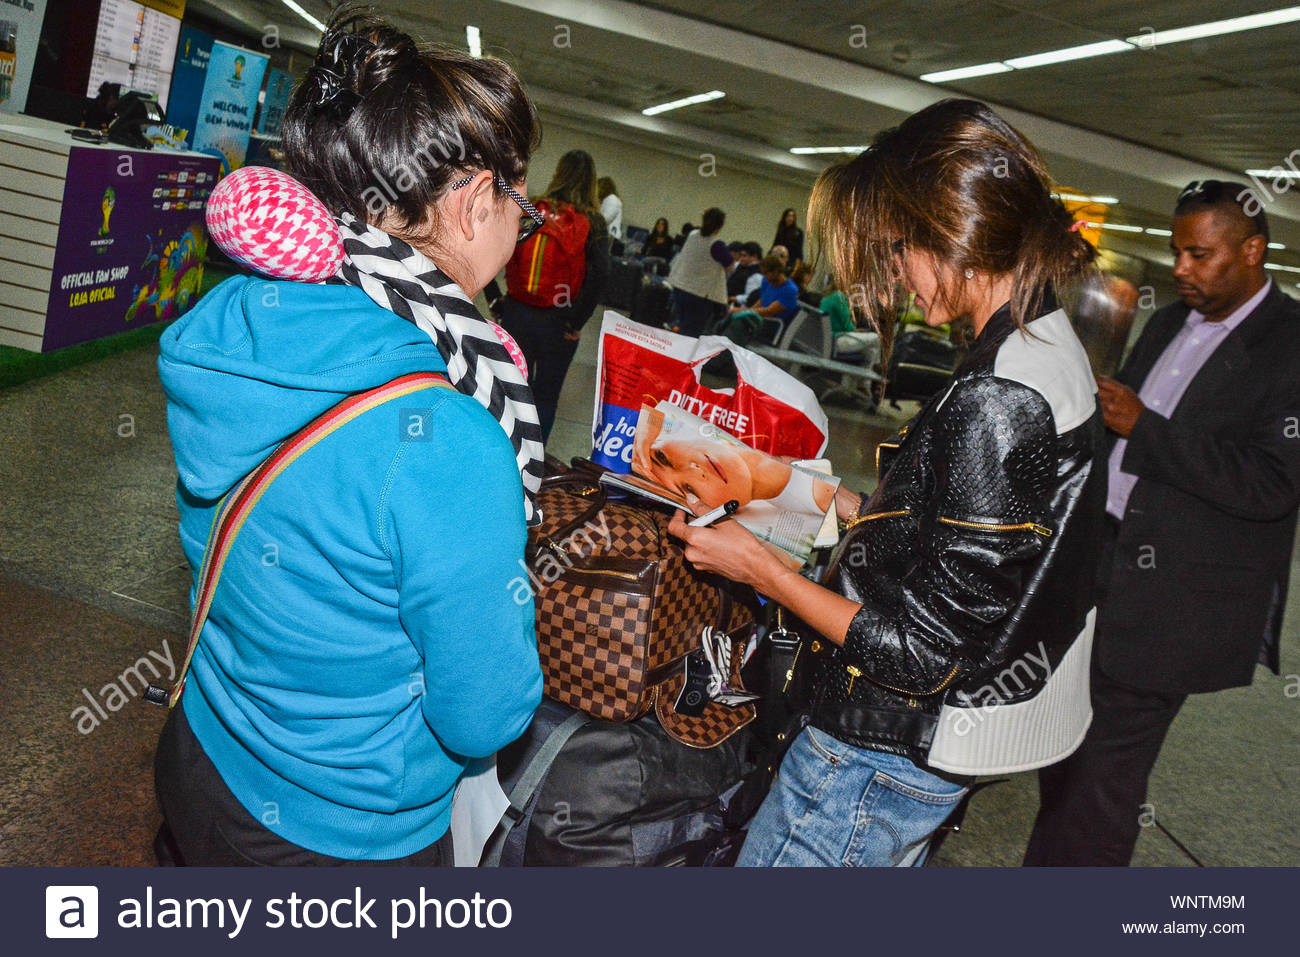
{"x":769,"y":409}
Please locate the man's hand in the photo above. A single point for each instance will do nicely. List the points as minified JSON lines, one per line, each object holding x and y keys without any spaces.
{"x":1120,"y":406}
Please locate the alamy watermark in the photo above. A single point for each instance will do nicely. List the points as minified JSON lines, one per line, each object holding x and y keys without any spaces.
{"x":115,"y":694}
{"x":554,"y":558}
{"x":1013,"y":680}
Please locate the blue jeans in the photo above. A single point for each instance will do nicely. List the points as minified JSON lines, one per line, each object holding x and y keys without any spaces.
{"x":833,"y":804}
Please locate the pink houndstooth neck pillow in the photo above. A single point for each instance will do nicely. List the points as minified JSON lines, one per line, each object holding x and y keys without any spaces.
{"x":268,"y":221}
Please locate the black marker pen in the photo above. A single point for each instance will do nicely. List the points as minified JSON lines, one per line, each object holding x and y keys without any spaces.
{"x":725,"y":510}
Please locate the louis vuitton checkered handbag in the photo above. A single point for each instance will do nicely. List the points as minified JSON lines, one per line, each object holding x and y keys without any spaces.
{"x":619,"y":609}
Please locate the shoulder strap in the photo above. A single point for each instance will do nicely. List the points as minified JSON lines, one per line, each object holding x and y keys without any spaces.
{"x":239,"y":501}
{"x":525,"y":789}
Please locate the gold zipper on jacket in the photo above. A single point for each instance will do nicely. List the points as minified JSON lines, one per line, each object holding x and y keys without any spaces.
{"x":855,"y":672}
{"x":897,"y":513}
{"x":991,"y":527}
{"x":884,"y":445}
{"x":902,"y":433}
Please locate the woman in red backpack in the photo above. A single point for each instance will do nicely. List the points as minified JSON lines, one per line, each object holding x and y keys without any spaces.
{"x":556,"y":279}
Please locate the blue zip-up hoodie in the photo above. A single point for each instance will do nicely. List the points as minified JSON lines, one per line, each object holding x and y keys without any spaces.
{"x":367,"y":636}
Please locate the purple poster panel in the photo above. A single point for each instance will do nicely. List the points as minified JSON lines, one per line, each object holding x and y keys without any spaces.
{"x":131,"y":242}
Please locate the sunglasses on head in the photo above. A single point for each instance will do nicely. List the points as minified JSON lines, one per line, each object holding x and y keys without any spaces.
{"x":530,"y":222}
{"x":1216,"y":190}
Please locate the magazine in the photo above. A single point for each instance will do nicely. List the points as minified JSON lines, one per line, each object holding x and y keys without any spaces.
{"x":683,"y":461}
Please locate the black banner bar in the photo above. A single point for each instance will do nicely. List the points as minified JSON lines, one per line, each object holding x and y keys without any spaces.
{"x":630,"y":912}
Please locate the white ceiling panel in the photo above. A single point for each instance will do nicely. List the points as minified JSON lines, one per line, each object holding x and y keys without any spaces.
{"x":828,"y":72}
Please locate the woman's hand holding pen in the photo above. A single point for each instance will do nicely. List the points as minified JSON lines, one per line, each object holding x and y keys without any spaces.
{"x":732,"y":551}
{"x":729,"y":549}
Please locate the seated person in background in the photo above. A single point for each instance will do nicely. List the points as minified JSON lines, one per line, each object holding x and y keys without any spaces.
{"x":783,"y":254}
{"x":850,"y":342}
{"x":739,"y":282}
{"x":680,"y":239}
{"x":100,"y":111}
{"x":778,"y":297}
{"x":801,"y":276}
{"x":660,"y":241}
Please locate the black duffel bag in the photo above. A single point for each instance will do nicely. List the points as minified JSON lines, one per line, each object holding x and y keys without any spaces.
{"x":653,"y":304}
{"x":598,"y":793}
{"x":624,"y":284}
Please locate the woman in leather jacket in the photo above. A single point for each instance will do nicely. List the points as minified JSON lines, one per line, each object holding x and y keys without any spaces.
{"x":953,"y":629}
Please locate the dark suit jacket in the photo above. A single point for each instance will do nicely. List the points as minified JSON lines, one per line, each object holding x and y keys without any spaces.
{"x":1195,"y":592}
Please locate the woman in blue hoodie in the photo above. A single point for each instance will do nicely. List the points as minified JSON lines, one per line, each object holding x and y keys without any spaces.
{"x":366,"y":639}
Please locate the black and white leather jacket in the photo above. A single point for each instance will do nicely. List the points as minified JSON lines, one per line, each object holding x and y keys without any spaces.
{"x":975,"y":562}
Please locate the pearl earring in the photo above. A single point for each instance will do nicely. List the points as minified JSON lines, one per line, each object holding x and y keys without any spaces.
{"x":970,"y":273}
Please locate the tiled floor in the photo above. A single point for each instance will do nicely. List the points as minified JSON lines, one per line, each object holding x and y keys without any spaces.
{"x":92,"y":578}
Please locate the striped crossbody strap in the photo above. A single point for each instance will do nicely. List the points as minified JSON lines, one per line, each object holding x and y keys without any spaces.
{"x":239,"y":501}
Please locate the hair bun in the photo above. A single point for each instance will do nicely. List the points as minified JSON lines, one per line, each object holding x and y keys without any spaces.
{"x":271,"y":223}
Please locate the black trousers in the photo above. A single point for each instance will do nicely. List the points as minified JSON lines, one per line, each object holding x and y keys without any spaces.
{"x":204,"y":824}
{"x":1090,"y":811}
{"x":540,"y":335}
{"x":692,"y":314}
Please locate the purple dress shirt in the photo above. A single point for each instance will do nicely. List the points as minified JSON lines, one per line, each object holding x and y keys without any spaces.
{"x":1169,"y":379}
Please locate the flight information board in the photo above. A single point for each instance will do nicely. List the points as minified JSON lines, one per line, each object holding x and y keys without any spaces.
{"x":135,"y":45}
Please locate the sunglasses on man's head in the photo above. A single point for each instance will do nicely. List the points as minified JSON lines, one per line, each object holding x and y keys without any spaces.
{"x":528,"y":223}
{"x":1216,"y":190}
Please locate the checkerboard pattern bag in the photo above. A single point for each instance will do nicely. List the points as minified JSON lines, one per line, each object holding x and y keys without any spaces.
{"x":619,"y":608}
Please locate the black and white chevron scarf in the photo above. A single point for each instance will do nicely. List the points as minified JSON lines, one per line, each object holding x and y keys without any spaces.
{"x":403,"y":280}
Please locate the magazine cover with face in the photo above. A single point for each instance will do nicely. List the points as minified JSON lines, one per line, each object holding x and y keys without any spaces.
{"x":682,"y":460}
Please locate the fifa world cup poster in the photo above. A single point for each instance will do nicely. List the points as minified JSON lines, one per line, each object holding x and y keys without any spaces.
{"x":229,"y":104}
{"x":131,"y":241}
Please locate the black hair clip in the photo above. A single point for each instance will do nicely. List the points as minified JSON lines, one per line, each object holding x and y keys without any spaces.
{"x":333,"y":69}
{"x":332,"y":89}
{"x":347,"y":50}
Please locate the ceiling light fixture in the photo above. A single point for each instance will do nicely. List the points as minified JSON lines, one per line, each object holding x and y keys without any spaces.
{"x":1141,"y":41}
{"x":1080,"y":198}
{"x":304,"y":14}
{"x":965,"y":72}
{"x":1254,"y":21}
{"x":1153,"y":231}
{"x":685,"y":101}
{"x":474,"y":40}
{"x":1282,"y":268}
{"x":817,"y":150}
{"x":1069,"y":53}
{"x":1276,"y":173}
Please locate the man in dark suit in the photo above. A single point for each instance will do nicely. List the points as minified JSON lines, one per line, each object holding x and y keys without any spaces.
{"x":1204,"y":487}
